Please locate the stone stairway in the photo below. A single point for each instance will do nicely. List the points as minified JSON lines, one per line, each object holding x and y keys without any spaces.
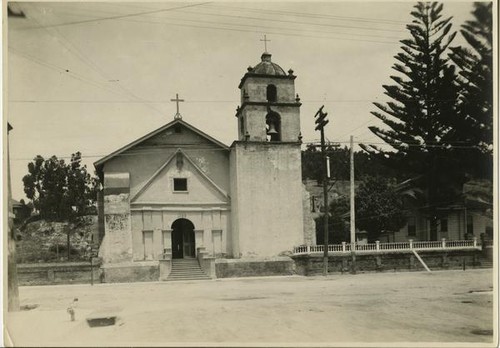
{"x":186,"y":269}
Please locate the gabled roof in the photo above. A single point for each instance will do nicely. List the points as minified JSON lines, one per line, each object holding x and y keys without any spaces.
{"x":167,"y":162}
{"x":103,"y":160}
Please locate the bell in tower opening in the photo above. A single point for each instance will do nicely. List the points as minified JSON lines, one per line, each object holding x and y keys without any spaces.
{"x":273,"y":126}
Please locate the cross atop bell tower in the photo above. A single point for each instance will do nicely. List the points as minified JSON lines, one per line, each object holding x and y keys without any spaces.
{"x":265,"y":42}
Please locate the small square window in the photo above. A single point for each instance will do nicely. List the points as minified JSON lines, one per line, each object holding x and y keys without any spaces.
{"x":180,"y":184}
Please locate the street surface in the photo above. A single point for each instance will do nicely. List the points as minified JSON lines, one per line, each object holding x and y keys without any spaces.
{"x":443,"y":306}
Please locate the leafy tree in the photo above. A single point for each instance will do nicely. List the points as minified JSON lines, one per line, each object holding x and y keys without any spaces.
{"x":312,"y":163}
{"x":417,"y":120}
{"x":338,"y":227}
{"x":379,"y":207}
{"x":475,"y":82}
{"x":340,"y":164}
{"x":58,"y":190}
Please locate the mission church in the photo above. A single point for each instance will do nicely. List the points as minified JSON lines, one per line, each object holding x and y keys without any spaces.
{"x":177,"y":193}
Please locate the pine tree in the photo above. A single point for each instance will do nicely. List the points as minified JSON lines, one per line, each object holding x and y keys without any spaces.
{"x":422,"y":108}
{"x":475,"y":82}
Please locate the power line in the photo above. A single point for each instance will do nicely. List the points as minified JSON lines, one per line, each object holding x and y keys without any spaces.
{"x":60,"y":69}
{"x":314,"y":15}
{"x":225,"y":29}
{"x":286,"y":13}
{"x":255,"y":25}
{"x":160,"y":101}
{"x":296,"y":22}
{"x":116,"y":17}
{"x":204,"y":146}
{"x":442,"y":146}
{"x":87,"y":61}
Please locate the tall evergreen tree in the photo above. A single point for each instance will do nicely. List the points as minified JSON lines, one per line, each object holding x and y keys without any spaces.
{"x":475,"y":100}
{"x":422,"y":108}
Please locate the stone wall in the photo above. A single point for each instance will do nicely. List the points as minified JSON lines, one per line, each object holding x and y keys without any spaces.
{"x":228,"y":268}
{"x":396,"y":262}
{"x":57,"y":273}
{"x":126,"y":272}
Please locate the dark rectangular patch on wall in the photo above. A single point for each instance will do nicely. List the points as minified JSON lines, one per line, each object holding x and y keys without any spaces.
{"x":115,"y":190}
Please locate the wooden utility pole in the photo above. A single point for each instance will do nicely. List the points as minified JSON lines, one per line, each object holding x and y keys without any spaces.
{"x":353,"y":211}
{"x":321,"y":123}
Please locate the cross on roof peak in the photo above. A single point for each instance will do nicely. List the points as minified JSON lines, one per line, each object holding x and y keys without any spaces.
{"x":265,"y":42}
{"x":177,"y":101}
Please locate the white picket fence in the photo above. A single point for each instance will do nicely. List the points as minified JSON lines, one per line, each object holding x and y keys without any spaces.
{"x":389,"y":247}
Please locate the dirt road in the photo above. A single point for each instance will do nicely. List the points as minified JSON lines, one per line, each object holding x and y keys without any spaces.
{"x":446,"y":306}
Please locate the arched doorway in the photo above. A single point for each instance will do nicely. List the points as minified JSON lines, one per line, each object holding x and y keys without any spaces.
{"x":183,"y":243}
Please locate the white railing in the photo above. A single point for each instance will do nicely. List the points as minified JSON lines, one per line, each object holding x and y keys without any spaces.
{"x":377,"y":247}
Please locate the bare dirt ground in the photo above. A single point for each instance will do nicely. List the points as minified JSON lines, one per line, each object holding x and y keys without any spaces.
{"x":443,"y":306}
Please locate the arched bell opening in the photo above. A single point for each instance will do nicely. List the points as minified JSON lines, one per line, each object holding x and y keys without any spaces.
{"x":271,"y":93}
{"x":273,"y":126}
{"x":183,"y":241}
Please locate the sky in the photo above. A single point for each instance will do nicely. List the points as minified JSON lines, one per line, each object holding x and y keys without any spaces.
{"x":93,"y":77}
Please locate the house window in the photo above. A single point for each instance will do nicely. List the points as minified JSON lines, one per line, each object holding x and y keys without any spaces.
{"x":470,"y":225}
{"x":444,"y":225}
{"x":180,"y":185}
{"x":412,"y":227}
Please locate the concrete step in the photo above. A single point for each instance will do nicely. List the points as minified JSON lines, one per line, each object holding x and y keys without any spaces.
{"x":186,"y":269}
{"x":187,"y":273}
{"x":180,"y":279}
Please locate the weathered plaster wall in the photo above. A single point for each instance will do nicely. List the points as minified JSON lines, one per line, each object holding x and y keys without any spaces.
{"x":161,"y":188}
{"x":254,"y":116}
{"x":256,"y":89}
{"x":116,"y":245}
{"x":146,"y":158}
{"x":211,"y":227}
{"x":255,"y":122}
{"x":268,"y":201}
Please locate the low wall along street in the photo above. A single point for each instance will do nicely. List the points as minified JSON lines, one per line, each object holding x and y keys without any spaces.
{"x":229,"y":268}
{"x":401,"y":261}
{"x":307,"y":264}
{"x":57,"y":273}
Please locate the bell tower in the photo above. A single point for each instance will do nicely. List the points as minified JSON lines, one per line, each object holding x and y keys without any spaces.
{"x":265,"y":164}
{"x":269,"y":108}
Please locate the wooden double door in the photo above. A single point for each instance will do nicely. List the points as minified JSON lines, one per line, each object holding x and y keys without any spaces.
{"x":183,"y":241}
